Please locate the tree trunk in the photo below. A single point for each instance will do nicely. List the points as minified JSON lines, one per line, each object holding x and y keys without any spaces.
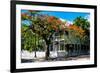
{"x":47,"y":53}
{"x":35,"y":54}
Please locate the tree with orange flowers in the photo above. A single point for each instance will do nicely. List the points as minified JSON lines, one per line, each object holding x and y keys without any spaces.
{"x":84,"y":24}
{"x":44,"y":26}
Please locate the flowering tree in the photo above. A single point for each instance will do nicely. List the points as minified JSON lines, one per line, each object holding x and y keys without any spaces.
{"x":84,"y":24}
{"x":44,"y":26}
{"x":76,"y":34}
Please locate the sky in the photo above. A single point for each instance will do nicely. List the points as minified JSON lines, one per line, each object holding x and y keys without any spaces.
{"x":67,"y":16}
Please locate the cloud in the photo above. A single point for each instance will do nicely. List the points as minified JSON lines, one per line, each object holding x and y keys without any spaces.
{"x":63,"y":20}
{"x":87,"y":17}
{"x":68,"y":23}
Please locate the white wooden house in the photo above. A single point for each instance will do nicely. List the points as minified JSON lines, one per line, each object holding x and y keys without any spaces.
{"x":62,"y":48}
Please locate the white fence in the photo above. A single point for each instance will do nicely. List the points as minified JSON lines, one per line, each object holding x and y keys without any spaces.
{"x":40,"y":54}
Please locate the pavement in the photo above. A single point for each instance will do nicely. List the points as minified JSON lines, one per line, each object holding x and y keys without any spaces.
{"x":30,"y":57}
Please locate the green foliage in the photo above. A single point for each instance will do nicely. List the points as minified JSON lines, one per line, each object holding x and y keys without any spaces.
{"x":82,"y":22}
{"x":29,"y":40}
{"x":85,"y":25}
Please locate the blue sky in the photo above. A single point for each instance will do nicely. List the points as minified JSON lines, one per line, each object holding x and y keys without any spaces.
{"x":68,"y":16}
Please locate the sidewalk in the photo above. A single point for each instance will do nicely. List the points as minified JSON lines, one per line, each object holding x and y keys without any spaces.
{"x":82,"y":57}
